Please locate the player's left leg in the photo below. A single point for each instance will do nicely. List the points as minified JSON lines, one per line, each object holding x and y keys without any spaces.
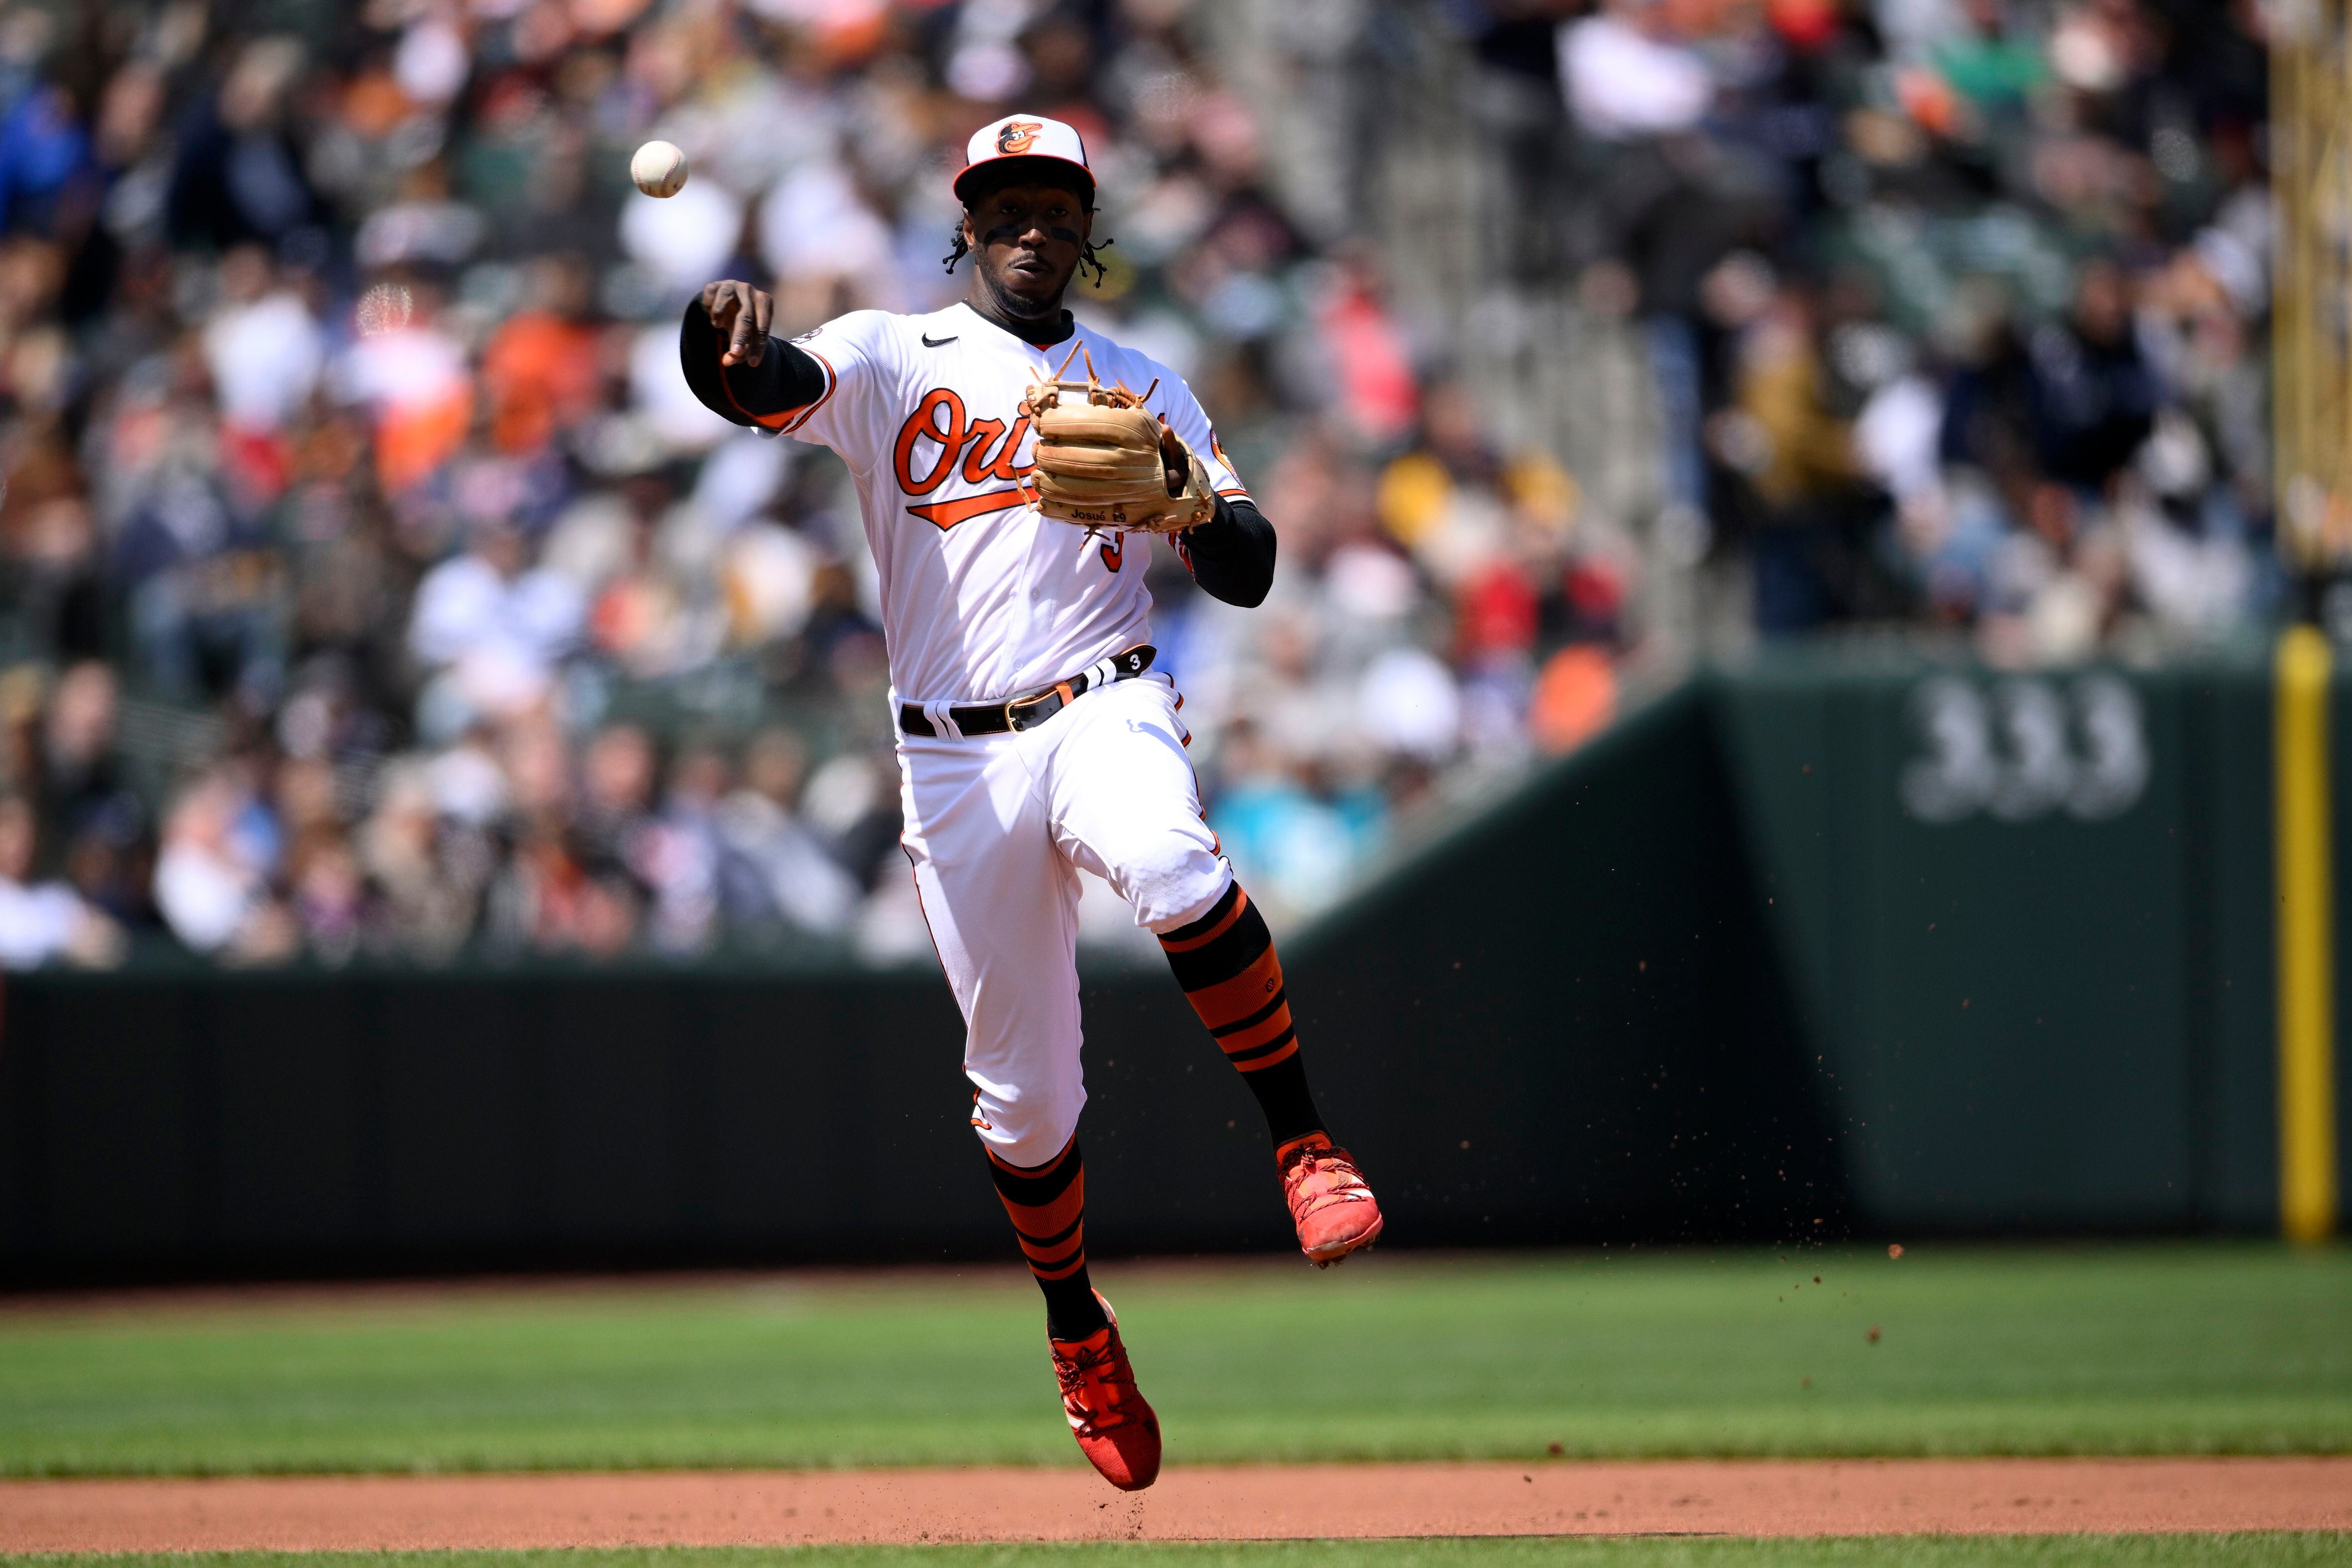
{"x":1000,"y":901}
{"x":1126,"y":805}
{"x":1112,"y":1421}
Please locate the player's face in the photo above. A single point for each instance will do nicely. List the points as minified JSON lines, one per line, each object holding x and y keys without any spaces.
{"x":1028,"y":239}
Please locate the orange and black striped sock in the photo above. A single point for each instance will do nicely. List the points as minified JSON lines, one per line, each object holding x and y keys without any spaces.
{"x":1049,"y":1206}
{"x":1226,"y":963}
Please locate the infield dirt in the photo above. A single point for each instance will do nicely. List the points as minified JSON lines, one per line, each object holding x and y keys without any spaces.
{"x":1753,"y":1498}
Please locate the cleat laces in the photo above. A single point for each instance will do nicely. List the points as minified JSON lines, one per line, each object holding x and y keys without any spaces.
{"x":1097,"y":1388}
{"x":1342,"y":1181}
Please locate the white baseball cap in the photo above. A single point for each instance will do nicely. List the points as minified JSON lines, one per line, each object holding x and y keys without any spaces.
{"x":1025,"y":136}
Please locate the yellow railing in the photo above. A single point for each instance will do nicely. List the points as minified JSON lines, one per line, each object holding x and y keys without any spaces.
{"x":2306,"y":940}
{"x":2310,"y":163}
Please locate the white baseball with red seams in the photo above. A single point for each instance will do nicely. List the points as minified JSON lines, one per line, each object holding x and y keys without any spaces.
{"x":984,"y":599}
{"x":658,"y":169}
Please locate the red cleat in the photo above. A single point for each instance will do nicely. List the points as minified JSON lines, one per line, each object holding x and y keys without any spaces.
{"x":1115,"y":1428}
{"x":1336,"y":1213}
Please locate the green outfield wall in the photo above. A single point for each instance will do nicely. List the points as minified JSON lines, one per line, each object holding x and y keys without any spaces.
{"x":2028,"y":923}
{"x":1829,"y":945}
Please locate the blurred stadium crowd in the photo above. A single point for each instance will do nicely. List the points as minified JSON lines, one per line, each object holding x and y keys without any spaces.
{"x":1956,"y":311}
{"x":374,"y":585}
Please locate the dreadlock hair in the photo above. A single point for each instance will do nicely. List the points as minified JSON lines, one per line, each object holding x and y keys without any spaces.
{"x":1090,"y":255}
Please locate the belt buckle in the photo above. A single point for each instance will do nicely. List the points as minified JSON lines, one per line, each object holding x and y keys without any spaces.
{"x":1059,"y":694}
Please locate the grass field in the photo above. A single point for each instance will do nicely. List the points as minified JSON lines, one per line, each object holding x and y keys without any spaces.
{"x":2250,"y":1551}
{"x":2148,"y":1350}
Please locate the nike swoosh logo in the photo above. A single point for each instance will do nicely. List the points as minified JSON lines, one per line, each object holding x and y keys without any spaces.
{"x":931,"y":342}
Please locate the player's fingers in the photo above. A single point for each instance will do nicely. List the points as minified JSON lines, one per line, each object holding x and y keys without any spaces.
{"x":750,"y":337}
{"x":730,"y":313}
{"x":761,"y":308}
{"x":718,"y":303}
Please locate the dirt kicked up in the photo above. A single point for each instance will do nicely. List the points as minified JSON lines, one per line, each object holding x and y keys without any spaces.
{"x":1755,"y":1498}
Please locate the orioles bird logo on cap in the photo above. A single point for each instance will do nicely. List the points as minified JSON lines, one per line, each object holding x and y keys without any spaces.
{"x":1017,"y":135}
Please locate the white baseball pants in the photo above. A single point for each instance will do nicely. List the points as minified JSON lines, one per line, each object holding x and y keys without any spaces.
{"x":997,"y":827}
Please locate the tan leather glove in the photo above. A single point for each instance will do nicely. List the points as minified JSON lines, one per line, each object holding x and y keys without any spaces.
{"x":1105,"y":461}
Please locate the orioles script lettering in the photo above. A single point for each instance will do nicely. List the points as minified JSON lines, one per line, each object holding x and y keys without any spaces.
{"x":940,"y":432}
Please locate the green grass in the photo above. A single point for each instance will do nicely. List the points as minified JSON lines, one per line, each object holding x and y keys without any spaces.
{"x":2168,"y":1349}
{"x":2250,"y":1551}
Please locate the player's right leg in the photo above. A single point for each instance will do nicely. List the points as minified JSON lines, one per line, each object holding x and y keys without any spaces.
{"x":1126,"y":805}
{"x":1002,"y":903}
{"x":1226,"y":962}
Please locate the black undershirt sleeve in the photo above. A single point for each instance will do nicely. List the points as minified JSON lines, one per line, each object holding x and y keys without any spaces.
{"x":784,"y":378}
{"x":1232,"y":554}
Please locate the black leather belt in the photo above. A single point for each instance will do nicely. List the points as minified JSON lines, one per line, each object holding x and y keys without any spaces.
{"x":1030,"y":711}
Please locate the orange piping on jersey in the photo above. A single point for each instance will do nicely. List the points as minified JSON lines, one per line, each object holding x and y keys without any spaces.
{"x":832,"y":383}
{"x":1237,"y":490}
{"x":770,"y":421}
{"x":947,"y":514}
{"x":776,"y":421}
{"x":783,"y":419}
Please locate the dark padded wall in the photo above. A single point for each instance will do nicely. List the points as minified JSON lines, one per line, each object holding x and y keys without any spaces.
{"x":1565,"y":1022}
{"x":1558,"y":1024}
{"x":1710,"y":977}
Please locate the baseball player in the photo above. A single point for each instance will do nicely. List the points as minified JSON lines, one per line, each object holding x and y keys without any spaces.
{"x":1012,"y":465}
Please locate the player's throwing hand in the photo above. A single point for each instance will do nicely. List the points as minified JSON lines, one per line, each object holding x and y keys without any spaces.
{"x":741,"y":314}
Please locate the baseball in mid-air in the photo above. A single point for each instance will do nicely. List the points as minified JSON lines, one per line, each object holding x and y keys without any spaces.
{"x":660,"y":169}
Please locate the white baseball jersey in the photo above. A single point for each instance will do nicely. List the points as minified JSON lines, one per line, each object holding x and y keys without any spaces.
{"x":982,"y":597}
